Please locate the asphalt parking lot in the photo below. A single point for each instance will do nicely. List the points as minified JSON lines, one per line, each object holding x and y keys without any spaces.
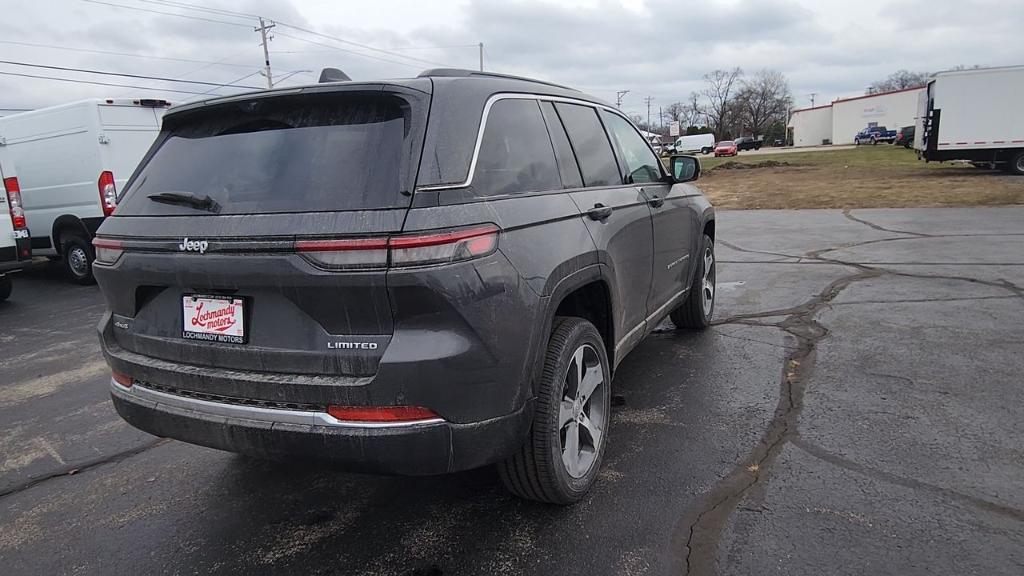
{"x":857,"y":409}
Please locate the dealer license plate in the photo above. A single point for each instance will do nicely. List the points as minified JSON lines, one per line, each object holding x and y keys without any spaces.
{"x":213,"y":318}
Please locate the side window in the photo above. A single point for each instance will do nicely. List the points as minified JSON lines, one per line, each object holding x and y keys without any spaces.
{"x":515,"y":152}
{"x":589,"y":141}
{"x":641,"y":163}
{"x":567,"y":165}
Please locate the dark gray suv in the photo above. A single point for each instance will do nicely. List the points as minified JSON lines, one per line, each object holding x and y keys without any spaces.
{"x":412,"y":276}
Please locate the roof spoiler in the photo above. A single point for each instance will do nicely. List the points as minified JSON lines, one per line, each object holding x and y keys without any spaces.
{"x":333,"y":75}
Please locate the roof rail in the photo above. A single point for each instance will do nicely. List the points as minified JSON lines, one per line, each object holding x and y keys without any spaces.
{"x":464,"y":73}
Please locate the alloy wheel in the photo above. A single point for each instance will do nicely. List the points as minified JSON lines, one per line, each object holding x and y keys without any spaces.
{"x":708,"y":283}
{"x":583,"y":411}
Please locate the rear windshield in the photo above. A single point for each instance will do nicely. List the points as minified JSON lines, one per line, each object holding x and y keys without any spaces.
{"x":309,"y":153}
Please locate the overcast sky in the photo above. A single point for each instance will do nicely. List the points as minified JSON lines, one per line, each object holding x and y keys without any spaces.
{"x":650,"y":47}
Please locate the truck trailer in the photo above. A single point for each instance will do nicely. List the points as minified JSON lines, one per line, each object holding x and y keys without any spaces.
{"x":973,"y":115}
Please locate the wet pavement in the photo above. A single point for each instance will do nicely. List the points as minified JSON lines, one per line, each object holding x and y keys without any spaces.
{"x":856,"y":409}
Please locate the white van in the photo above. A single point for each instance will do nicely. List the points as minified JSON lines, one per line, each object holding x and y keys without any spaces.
{"x":15,"y":248}
{"x":71,"y":159}
{"x":703,"y":143}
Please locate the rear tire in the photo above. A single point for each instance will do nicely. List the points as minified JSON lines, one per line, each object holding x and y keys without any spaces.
{"x":561,"y":457}
{"x":1016,"y":164}
{"x":5,"y":287}
{"x":696,"y":312}
{"x":78,"y":256}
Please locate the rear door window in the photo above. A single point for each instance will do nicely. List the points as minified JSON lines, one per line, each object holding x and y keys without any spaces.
{"x":567,"y":166}
{"x":589,"y":141}
{"x":642,"y":166}
{"x":308,"y":153}
{"x":515,"y":152}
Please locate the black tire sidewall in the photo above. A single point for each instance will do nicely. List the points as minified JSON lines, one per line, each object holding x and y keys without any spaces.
{"x":580,"y":332}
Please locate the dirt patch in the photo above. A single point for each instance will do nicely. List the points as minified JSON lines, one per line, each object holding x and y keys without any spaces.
{"x":734,"y":165}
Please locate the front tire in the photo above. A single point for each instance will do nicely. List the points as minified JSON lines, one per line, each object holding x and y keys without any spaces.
{"x":696,"y":312}
{"x":561,"y":457}
{"x":78,"y":257}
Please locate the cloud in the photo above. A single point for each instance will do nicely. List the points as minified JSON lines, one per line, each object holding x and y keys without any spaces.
{"x":658,"y":48}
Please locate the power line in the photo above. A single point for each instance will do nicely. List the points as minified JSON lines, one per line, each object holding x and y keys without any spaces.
{"x":139,"y":76}
{"x":167,"y":13}
{"x":108,"y":52}
{"x":336,"y":48}
{"x":98,"y":83}
{"x":364,"y":46}
{"x":200,"y":8}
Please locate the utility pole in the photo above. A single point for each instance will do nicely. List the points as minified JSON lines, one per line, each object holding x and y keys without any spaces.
{"x":812,"y":95}
{"x":266,"y":50}
{"x":481,"y":56}
{"x":618,"y":97}
{"x":648,"y":100}
{"x":661,"y":118}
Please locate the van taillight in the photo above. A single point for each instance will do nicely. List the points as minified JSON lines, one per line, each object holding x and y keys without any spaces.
{"x":108,"y":192}
{"x":406,"y":250}
{"x":14,"y":202}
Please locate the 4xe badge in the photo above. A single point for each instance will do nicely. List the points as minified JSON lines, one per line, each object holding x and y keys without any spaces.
{"x":193,"y":245}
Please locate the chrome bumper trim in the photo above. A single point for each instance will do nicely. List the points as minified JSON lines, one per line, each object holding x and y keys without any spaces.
{"x":302,"y":417}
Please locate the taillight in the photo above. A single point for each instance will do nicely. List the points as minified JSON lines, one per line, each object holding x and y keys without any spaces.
{"x":108,"y":192}
{"x":14,"y":202}
{"x":107,"y":250}
{"x":443,"y":247}
{"x":382,"y":414}
{"x":409,"y":250}
{"x":345,"y":253}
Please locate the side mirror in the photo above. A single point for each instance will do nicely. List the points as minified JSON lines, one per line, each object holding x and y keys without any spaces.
{"x":684,"y":168}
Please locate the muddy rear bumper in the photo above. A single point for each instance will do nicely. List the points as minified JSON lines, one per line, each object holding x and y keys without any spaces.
{"x":428,"y":447}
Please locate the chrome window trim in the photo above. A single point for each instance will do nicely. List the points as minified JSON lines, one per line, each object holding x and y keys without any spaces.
{"x":255,"y":413}
{"x":522,"y":96}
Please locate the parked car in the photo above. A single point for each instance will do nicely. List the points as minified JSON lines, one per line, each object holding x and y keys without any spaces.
{"x":15,"y":249}
{"x":71,"y":159}
{"x":748,"y":143}
{"x":873,"y":135}
{"x":905,"y":137}
{"x":380,"y":274}
{"x":726,"y":148}
{"x":703,"y":143}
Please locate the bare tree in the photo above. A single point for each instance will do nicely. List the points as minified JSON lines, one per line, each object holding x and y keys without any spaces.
{"x":694,"y":111}
{"x":718,"y":93}
{"x":762,"y":100}
{"x":898,"y":81}
{"x":675,"y":112}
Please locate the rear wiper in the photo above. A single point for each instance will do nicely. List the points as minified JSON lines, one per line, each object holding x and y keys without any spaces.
{"x":186,"y":199}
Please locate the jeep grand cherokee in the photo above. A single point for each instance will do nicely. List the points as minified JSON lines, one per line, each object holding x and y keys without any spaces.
{"x":414,"y":276}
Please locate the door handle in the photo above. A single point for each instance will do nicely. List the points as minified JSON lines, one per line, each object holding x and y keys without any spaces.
{"x":599,"y":212}
{"x":656,"y":202}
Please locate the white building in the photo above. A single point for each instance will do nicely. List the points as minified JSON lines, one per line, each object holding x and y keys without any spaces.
{"x":840,"y":121}
{"x":812,"y":126}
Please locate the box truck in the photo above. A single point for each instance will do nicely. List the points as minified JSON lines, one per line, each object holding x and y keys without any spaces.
{"x":70,"y":161}
{"x":973,"y":115}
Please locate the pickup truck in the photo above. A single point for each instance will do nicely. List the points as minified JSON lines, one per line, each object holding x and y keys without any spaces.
{"x":874,"y":135}
{"x":748,"y":143}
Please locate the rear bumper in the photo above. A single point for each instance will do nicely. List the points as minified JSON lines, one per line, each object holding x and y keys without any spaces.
{"x":421,"y":448}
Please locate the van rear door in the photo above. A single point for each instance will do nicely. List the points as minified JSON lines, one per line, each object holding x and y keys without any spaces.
{"x":253,"y":236}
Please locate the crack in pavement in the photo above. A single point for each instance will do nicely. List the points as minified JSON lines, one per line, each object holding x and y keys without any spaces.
{"x":912,"y":483}
{"x":699,"y":531}
{"x":83,"y":467}
{"x":847,"y":212}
